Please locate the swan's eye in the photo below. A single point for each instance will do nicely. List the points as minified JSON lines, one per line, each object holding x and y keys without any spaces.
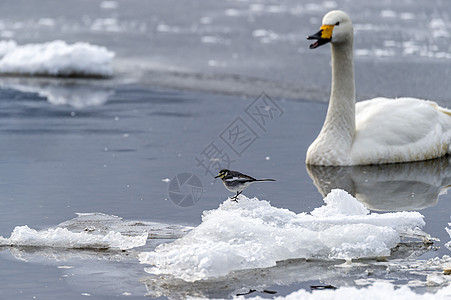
{"x":338,"y":23}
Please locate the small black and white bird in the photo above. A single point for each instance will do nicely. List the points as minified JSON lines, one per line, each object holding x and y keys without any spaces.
{"x":236,"y":182}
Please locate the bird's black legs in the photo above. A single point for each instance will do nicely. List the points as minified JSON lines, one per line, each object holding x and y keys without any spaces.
{"x":234,"y":198}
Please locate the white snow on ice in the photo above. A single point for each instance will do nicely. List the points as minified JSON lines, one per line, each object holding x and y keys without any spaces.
{"x":253,"y":234}
{"x":56,"y":58}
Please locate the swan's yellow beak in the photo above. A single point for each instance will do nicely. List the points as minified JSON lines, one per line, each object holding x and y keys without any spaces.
{"x":323,"y":36}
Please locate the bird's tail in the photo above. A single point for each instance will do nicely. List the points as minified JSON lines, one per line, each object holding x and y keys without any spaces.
{"x":265,"y":180}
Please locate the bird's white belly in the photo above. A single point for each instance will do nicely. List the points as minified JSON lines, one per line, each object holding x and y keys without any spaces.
{"x":237,"y":188}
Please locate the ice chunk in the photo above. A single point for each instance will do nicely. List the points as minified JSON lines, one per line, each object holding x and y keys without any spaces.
{"x":253,"y":234}
{"x":63,"y":238}
{"x":103,"y":223}
{"x":56,"y":58}
{"x":379,"y":290}
{"x":436,"y":279}
{"x":340,"y":202}
{"x":388,"y":14}
{"x":448,"y":230}
{"x":7,"y":46}
{"x":109,"y":4}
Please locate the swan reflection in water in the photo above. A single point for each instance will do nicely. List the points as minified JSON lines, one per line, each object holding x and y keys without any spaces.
{"x":388,"y":187}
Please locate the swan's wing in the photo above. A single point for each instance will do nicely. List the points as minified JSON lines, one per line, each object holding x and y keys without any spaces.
{"x":405,"y":129}
{"x":393,"y":122}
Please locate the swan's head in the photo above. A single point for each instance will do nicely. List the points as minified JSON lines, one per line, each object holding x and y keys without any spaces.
{"x":337,"y":28}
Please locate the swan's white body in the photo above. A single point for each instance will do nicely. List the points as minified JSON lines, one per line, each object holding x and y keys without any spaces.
{"x":375,"y":131}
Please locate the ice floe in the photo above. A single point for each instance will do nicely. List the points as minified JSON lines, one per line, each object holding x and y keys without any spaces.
{"x":103,"y":223}
{"x":253,"y":234}
{"x":56,"y":58}
{"x":94,"y":231}
{"x":63,"y":238}
{"x":109,"y":4}
{"x":379,"y":290}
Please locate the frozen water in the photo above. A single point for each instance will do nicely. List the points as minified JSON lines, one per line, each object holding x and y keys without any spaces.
{"x":7,"y":46}
{"x":337,"y":204}
{"x":94,"y":231}
{"x":103,"y":223}
{"x":55,"y":58}
{"x":253,"y":234}
{"x":379,"y":290}
{"x":63,"y":238}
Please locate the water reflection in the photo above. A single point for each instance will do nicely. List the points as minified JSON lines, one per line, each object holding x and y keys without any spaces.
{"x":390,"y":187}
{"x":108,"y":272}
{"x":78,"y":93}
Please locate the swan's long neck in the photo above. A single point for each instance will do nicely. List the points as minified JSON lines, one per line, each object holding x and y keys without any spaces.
{"x":340,"y":119}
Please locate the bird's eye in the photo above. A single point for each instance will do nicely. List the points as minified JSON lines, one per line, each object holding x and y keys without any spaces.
{"x":338,"y":23}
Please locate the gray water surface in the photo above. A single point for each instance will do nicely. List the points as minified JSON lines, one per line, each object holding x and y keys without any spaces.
{"x":113,"y":158}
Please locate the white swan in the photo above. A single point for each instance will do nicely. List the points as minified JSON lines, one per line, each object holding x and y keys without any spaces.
{"x":375,"y":131}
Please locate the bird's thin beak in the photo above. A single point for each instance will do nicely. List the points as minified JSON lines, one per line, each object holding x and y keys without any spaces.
{"x":217,"y":176}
